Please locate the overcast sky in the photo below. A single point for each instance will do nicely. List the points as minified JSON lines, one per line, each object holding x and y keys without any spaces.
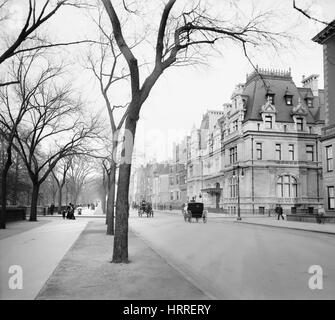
{"x":182,"y":95}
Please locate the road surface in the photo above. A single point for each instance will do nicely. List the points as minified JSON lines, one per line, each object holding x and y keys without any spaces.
{"x":230,"y":260}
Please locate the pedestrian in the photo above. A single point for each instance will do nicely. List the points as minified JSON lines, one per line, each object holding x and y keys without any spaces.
{"x":52,"y":209}
{"x":279,"y":211}
{"x":68,"y":212}
{"x":320,"y":215}
{"x":72,"y":217}
{"x":63,"y":214}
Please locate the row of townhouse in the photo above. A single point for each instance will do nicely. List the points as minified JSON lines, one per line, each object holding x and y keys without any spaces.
{"x":151,"y":182}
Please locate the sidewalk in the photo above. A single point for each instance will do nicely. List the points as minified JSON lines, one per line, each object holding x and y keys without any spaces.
{"x":296,"y":225}
{"x":16,"y":227}
{"x":87,"y":273}
{"x":37,"y":251}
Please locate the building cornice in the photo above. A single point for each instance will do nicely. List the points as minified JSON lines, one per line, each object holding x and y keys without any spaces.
{"x":325,"y":34}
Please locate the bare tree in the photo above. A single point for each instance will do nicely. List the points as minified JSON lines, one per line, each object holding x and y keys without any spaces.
{"x":14,"y":103}
{"x":179,"y":38}
{"x":52,"y":128}
{"x":27,"y":39}
{"x":108,"y":70}
{"x":80,"y":169}
{"x":59,"y":173}
{"x":308,"y":14}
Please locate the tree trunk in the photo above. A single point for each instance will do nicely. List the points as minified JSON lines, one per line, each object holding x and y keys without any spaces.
{"x":120,"y":250}
{"x":4,"y":189}
{"x":111,"y":200}
{"x":66,"y":194}
{"x":60,"y":189}
{"x":16,"y":181}
{"x":34,"y":201}
{"x":104,"y":193}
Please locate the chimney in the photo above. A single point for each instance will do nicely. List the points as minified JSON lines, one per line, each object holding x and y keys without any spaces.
{"x":311,"y":82}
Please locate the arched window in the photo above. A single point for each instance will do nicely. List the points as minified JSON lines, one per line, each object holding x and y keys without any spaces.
{"x":287,"y":187}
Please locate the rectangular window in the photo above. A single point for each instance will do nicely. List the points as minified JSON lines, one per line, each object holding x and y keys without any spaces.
{"x":289,"y":100}
{"x":300,"y":124}
{"x":259,"y":151}
{"x":233,"y":155}
{"x":331,"y":198}
{"x":309,"y":102}
{"x":271,"y":98}
{"x":291,"y":151}
{"x":310,"y":152}
{"x":268,"y":122}
{"x":278,"y":151}
{"x":191,"y":171}
{"x":235,"y":125}
{"x":329,"y":158}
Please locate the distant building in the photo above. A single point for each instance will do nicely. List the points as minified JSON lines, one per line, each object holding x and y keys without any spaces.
{"x":327,"y":38}
{"x":196,"y":152}
{"x":151,"y":183}
{"x":178,"y":175}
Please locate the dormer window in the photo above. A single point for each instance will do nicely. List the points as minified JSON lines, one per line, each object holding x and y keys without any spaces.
{"x":288,"y":97}
{"x":268,"y":122}
{"x":300,"y":124}
{"x":309,"y":102}
{"x":288,"y":100}
{"x":271,"y":98}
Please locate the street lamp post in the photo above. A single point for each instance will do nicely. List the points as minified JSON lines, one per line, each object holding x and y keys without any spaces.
{"x":238,"y":193}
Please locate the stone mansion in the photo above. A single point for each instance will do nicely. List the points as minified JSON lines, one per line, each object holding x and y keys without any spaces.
{"x":262,"y":149}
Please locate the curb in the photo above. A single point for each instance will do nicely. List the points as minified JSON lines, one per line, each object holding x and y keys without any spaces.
{"x":283,"y":227}
{"x":170,"y":261}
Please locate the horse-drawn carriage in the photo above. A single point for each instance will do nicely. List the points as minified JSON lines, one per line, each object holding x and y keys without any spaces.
{"x":194,"y":210}
{"x":145,"y":209}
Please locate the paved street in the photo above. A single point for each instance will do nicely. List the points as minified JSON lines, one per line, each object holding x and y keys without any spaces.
{"x":38,"y":251}
{"x":230,"y":260}
{"x":222,"y":259}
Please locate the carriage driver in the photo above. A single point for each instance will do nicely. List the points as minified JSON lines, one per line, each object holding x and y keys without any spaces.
{"x":143,"y":205}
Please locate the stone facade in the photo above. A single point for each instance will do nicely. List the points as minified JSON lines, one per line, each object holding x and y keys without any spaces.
{"x":327,"y":38}
{"x":264,"y":148}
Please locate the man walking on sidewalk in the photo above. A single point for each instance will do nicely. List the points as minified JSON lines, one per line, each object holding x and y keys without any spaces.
{"x":279,"y":211}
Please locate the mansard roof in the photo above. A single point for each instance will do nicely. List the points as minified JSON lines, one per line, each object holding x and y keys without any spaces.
{"x":256,"y":89}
